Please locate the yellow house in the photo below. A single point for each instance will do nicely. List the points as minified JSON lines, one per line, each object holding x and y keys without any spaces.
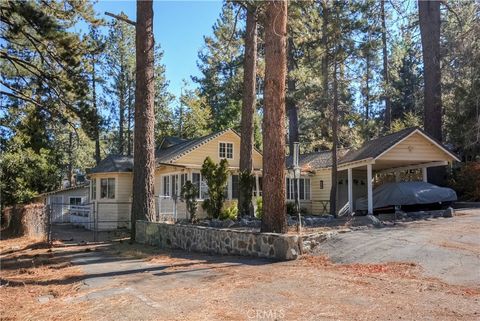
{"x":179,"y":160}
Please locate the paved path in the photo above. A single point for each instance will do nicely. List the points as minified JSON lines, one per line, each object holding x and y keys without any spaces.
{"x":445,"y":248}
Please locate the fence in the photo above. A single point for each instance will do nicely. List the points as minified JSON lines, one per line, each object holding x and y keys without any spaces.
{"x":30,"y":220}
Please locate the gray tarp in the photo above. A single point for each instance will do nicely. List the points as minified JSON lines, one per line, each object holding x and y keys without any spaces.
{"x":407,"y":193}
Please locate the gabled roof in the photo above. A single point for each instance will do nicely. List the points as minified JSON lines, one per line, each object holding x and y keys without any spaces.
{"x":315,"y":160}
{"x":170,"y":154}
{"x":171,"y":148}
{"x":113,"y":164}
{"x":81,"y":186}
{"x":376,"y":147}
{"x":169,"y":141}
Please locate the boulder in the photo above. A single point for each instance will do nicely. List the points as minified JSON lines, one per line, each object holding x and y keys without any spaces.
{"x":374,"y":221}
{"x":449,"y":212}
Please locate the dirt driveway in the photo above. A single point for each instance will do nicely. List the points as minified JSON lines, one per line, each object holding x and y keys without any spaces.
{"x":448,"y":249}
{"x":118,"y":281}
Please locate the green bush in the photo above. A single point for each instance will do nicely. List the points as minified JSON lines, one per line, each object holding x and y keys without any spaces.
{"x":291,"y":208}
{"x":216,"y":176}
{"x":189,"y":195}
{"x":259,"y":211}
{"x":230,"y":212}
{"x":466,"y":181}
{"x":246,"y":184}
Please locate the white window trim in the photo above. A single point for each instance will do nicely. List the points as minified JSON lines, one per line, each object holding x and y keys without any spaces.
{"x":80,"y":197}
{"x":233,"y":150}
{"x":95,"y":197}
{"x":170,"y":183}
{"x":304,"y":193}
{"x":115,"y":188}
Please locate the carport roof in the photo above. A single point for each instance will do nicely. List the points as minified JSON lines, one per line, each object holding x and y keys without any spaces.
{"x":376,"y":147}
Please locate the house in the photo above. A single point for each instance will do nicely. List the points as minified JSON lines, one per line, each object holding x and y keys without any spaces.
{"x":68,"y":205}
{"x":179,"y":160}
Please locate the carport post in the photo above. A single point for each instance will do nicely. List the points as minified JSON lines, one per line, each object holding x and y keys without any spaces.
{"x":369,"y":189}
{"x":350,"y":190}
{"x":424,"y":174}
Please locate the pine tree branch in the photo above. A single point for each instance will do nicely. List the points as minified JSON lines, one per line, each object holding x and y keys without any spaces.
{"x":131,"y":22}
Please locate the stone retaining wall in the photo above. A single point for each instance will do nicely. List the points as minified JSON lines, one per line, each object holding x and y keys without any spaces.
{"x":219,"y":241}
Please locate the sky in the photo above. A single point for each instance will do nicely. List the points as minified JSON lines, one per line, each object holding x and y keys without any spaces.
{"x":179,"y":27}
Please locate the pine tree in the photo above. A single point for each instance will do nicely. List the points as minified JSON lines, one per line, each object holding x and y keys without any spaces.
{"x":143,"y":204}
{"x":220,"y":63}
{"x":248,"y":107}
{"x":274,"y":211}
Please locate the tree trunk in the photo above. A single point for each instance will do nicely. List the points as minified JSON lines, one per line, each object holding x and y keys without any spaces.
{"x":249,"y":103}
{"x":71,"y":181}
{"x":97,"y":117}
{"x":121,"y":111}
{"x":129,"y":118}
{"x":429,"y":20}
{"x":143,"y":206}
{"x":333,"y":190}
{"x":367,"y":89}
{"x":388,"y":110}
{"x":325,"y":62}
{"x":274,"y":216}
{"x":293,"y":135}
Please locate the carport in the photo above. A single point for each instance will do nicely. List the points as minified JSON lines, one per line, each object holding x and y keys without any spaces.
{"x":405,"y":150}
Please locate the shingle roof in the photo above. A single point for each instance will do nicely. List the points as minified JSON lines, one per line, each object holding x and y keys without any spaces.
{"x":170,"y":154}
{"x":315,"y":160}
{"x":177,"y":147}
{"x":375,"y":147}
{"x":113,"y":164}
{"x":169,"y":141}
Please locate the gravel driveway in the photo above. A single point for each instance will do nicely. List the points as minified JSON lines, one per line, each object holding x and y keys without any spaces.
{"x":446,"y":248}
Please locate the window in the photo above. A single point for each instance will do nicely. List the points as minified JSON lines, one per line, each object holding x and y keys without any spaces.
{"x":166,"y":185}
{"x":107,"y":188}
{"x":225,"y":150}
{"x":321,"y":184}
{"x":201,"y":184}
{"x":183,"y":180}
{"x":75,"y":201}
{"x":174,"y":180}
{"x":260,"y":184}
{"x":235,"y":186}
{"x":304,"y":188}
{"x":94,"y":189}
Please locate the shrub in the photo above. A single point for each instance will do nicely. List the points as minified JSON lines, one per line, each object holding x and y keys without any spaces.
{"x":230,"y":212}
{"x":216,"y":176}
{"x":189,"y":195}
{"x":291,"y":208}
{"x":246,"y":183}
{"x":466,"y":181}
{"x":259,"y":211}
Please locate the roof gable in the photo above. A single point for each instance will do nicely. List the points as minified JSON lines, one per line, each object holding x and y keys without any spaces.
{"x":196,"y":153}
{"x":378,"y":147}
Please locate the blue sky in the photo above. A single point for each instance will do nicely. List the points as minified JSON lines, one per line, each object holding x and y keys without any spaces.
{"x":179,"y":27}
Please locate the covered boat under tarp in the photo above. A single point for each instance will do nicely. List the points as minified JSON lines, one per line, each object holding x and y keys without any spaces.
{"x":407,"y":193}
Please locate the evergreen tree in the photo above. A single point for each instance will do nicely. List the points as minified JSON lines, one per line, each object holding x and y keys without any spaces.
{"x":220,"y":63}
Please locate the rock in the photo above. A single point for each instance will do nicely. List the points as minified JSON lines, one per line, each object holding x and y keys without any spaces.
{"x":449,"y":212}
{"x":228,"y":223}
{"x":374,"y":221}
{"x":45,"y":298}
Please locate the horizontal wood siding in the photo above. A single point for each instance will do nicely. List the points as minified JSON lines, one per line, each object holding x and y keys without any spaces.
{"x":197,"y":156}
{"x":114,"y":213}
{"x":416,"y":148}
{"x":318,"y":194}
